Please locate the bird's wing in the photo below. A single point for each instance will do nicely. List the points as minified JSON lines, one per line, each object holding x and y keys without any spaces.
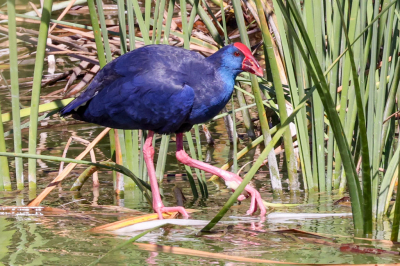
{"x":163,"y":63}
{"x":130,"y":103}
{"x":104,"y":78}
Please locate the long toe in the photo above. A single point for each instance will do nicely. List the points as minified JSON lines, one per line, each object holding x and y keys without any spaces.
{"x":256,"y":201}
{"x":181,"y":210}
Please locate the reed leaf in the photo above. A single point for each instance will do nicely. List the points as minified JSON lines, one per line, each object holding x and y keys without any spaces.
{"x":274,"y":171}
{"x":366,"y":168}
{"x":291,"y":162}
{"x":12,"y":38}
{"x":37,"y":81}
{"x":5,"y":181}
{"x":396,"y":219}
{"x":318,"y":78}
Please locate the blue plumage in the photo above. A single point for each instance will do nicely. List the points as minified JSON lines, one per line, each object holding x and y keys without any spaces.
{"x":160,"y":88}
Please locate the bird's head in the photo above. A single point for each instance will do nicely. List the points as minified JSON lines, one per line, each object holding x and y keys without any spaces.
{"x":237,"y":57}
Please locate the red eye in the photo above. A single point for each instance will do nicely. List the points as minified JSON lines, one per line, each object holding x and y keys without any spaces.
{"x":236,"y":53}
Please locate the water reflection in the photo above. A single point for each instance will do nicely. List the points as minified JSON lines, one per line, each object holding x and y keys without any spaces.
{"x":63,"y":239}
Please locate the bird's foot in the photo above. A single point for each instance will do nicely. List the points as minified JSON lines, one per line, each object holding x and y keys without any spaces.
{"x":231,"y":180}
{"x":161,"y":210}
{"x":256,"y":200}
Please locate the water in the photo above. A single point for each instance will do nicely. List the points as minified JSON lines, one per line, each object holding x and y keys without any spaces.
{"x":63,"y":239}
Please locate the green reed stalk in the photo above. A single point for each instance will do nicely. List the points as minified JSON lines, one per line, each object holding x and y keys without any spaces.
{"x":160,"y":22}
{"x":275,"y":178}
{"x":129,"y":156}
{"x":170,"y":13}
{"x":142,"y":167}
{"x":291,"y":162}
{"x":82,"y":178}
{"x":147,"y":13}
{"x":212,"y":15}
{"x":37,"y":83}
{"x":155,"y":21}
{"x":192,"y":151}
{"x":313,"y":13}
{"x":380,"y":105}
{"x":97,"y":33}
{"x":382,"y":198}
{"x":122,"y":25}
{"x":235,"y":160}
{"x":385,"y":193}
{"x":12,"y":38}
{"x":391,"y":99}
{"x":54,"y":105}
{"x":162,"y":157}
{"x":345,"y":96}
{"x":135,"y":155}
{"x":185,"y":32}
{"x":301,"y":122}
{"x":5,"y":182}
{"x":319,"y":81}
{"x":103,"y":29}
{"x":142,"y":24}
{"x":221,"y":5}
{"x":366,"y":167}
{"x":396,"y":219}
{"x":193,"y":14}
{"x":131,"y":24}
{"x":200,"y":154}
{"x":372,"y":95}
{"x":334,"y":35}
{"x":209,"y":24}
{"x":351,"y":122}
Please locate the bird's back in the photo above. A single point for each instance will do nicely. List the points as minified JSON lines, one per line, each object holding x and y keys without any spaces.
{"x":143,"y":89}
{"x":157,"y":87}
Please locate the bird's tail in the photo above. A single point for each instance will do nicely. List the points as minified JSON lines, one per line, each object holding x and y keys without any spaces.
{"x":73,"y":107}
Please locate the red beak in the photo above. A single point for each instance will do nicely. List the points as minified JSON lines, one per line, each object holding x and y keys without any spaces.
{"x":249,"y":64}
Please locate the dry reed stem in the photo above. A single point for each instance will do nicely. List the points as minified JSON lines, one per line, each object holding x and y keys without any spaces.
{"x":92,"y":157}
{"x":62,"y":14}
{"x":210,"y":255}
{"x":67,"y":170}
{"x":51,"y":47}
{"x":204,"y":254}
{"x":36,"y":10}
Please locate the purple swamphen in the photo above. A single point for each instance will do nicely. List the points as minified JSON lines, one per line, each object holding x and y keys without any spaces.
{"x":165,"y":89}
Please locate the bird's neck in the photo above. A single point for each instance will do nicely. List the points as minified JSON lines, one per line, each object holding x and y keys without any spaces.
{"x":228,"y":77}
{"x":225,"y":71}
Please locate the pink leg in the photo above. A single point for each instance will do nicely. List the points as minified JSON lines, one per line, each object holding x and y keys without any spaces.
{"x":158,"y":206}
{"x":231,"y":179}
